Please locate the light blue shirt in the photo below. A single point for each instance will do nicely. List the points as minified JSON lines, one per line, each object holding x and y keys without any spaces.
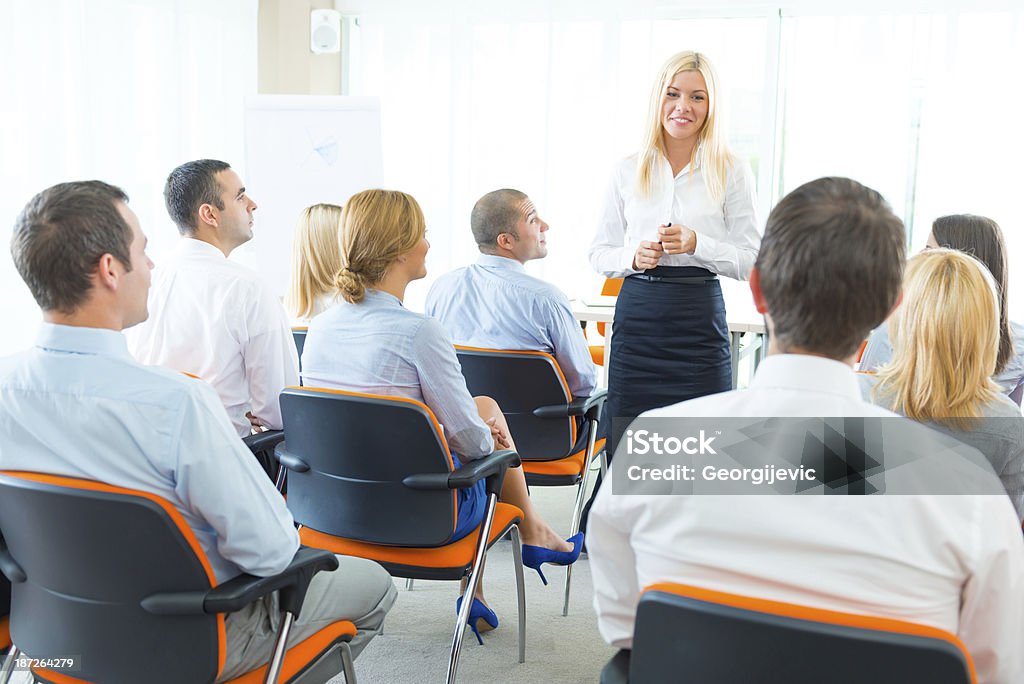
{"x":380,"y":347}
{"x":78,"y":405}
{"x":496,"y":304}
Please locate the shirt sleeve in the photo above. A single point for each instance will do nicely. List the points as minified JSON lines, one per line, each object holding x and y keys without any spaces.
{"x":992,"y":601}
{"x":734,"y":255}
{"x":570,"y":349}
{"x":609,"y":252}
{"x":445,"y":392}
{"x":218,"y":479}
{"x":613,"y":564}
{"x":271,"y":360}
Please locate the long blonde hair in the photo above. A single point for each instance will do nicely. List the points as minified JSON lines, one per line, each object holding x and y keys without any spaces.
{"x":315,"y":259}
{"x":376,"y":227}
{"x":945,"y":338}
{"x":711,"y":151}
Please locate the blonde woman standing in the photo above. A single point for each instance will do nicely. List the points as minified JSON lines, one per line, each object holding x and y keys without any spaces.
{"x":677,"y":215}
{"x":945,"y":340}
{"x":315,"y":262}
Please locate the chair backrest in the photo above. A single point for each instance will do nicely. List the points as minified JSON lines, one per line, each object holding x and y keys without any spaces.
{"x":91,"y":553}
{"x":359,"y":449}
{"x":521,"y":381}
{"x":718,"y":637}
{"x":611,"y":288}
{"x":299,"y":335}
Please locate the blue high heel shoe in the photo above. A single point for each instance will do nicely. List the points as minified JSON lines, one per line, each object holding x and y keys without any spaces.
{"x":535,"y":556}
{"x":478,"y":611}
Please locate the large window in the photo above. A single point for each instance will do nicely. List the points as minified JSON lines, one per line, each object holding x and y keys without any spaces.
{"x":121,"y":91}
{"x":547,"y":107}
{"x":919,"y":106}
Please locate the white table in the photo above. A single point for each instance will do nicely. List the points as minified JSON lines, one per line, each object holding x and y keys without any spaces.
{"x":744,"y":321}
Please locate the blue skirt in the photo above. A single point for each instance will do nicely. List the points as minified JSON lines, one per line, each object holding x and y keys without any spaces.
{"x":472,"y":504}
{"x":670,"y":343}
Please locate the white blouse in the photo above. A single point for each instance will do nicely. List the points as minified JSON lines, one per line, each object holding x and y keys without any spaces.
{"x":728,"y":232}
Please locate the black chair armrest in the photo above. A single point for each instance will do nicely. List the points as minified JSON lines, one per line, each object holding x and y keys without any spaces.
{"x":264,"y":441}
{"x":580,"y":406}
{"x":488,"y":466}
{"x":288,"y":459}
{"x":616,"y":670}
{"x":467,"y":475}
{"x":240,"y":591}
{"x":292,"y":583}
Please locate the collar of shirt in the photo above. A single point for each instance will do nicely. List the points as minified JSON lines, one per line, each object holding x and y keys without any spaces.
{"x":79,"y":340}
{"x":188,"y":246}
{"x":495,"y":261}
{"x":806,"y":373}
{"x":382,"y":299}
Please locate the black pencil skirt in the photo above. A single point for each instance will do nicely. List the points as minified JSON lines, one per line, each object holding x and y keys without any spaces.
{"x":670,"y":343}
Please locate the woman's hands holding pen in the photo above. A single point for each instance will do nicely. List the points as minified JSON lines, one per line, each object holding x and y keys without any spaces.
{"x":672,"y":239}
{"x":647,"y":255}
{"x":677,"y":239}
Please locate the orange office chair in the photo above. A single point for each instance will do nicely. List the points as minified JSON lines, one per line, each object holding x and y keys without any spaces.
{"x":371,"y":476}
{"x":555,"y":434}
{"x":711,"y":636}
{"x":611,"y":288}
{"x":116,"y":577}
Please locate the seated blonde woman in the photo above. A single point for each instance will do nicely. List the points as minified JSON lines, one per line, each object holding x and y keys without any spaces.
{"x":315,"y":262}
{"x":369,"y":342}
{"x":945,"y":340}
{"x":982,"y":238}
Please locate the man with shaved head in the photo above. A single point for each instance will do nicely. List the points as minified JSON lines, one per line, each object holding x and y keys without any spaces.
{"x":495,"y":304}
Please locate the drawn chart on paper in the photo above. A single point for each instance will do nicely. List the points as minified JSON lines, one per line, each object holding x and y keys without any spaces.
{"x":303,"y":150}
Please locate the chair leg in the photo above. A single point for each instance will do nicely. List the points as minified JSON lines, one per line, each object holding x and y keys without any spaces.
{"x":577,"y":511}
{"x":347,"y":666}
{"x":474,"y":579}
{"x":8,"y":669}
{"x":517,"y":559}
{"x":280,"y":646}
{"x":408,"y":583}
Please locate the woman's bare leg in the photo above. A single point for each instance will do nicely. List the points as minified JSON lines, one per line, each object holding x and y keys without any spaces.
{"x":535,"y":531}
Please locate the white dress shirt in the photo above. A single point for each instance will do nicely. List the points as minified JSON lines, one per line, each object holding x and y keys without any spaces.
{"x":78,"y":405}
{"x":215,"y":319}
{"x":496,"y":304}
{"x":380,"y":347}
{"x":728,"y":232}
{"x":952,"y":562}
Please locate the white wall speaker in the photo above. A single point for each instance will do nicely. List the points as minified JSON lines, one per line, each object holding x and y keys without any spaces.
{"x":324,"y":31}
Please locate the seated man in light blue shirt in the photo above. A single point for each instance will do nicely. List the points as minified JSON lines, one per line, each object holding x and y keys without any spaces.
{"x":78,"y":405}
{"x":495,"y":304}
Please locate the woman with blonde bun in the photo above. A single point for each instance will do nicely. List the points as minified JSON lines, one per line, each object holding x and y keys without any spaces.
{"x":945,"y":339}
{"x":369,"y":342}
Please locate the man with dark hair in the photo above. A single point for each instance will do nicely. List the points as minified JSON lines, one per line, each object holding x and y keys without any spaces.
{"x":78,"y":405}
{"x":495,"y":304}
{"x":828,"y":271}
{"x":210,"y":316}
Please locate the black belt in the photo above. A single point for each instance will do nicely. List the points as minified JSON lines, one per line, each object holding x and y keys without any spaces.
{"x":669,"y":279}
